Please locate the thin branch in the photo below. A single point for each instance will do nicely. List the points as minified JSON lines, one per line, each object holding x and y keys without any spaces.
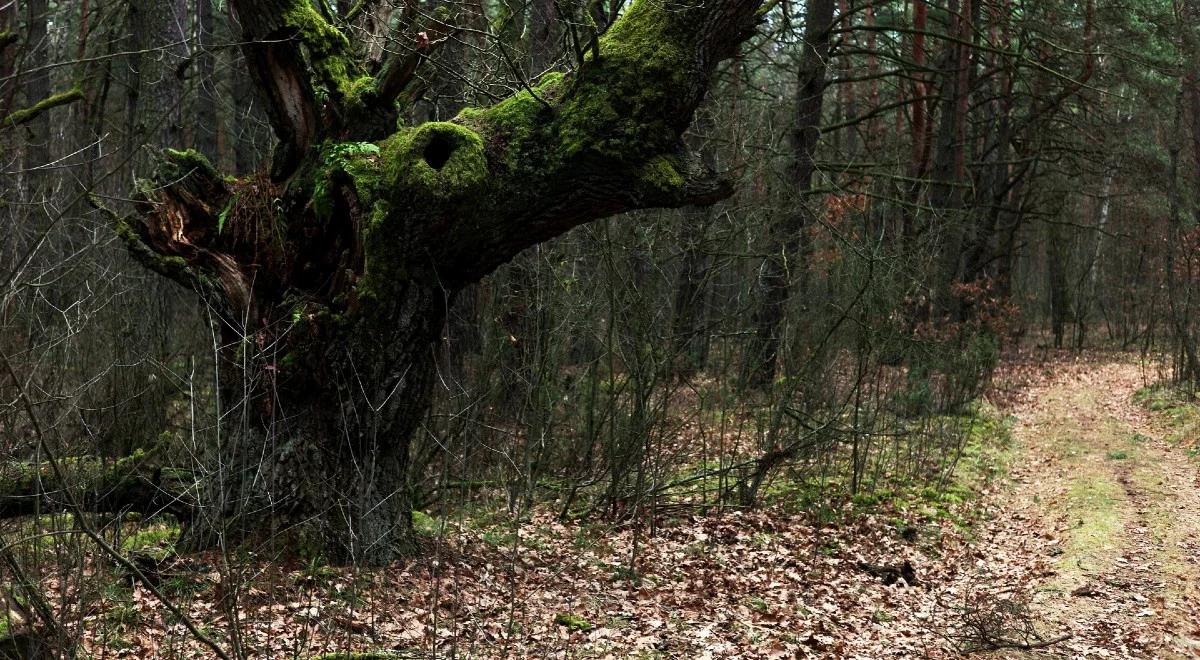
{"x":85,"y":526}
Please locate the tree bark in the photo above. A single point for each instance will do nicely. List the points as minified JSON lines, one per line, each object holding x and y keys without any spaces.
{"x":948,"y":191}
{"x":331,"y":277}
{"x":1057,"y":254}
{"x":785,"y":260}
{"x":1191,"y":84}
{"x":37,"y":88}
{"x":543,"y":30}
{"x":206,"y":127}
{"x":9,"y":36}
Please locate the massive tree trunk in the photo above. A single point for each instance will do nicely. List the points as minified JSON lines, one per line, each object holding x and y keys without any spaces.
{"x":331,"y":277}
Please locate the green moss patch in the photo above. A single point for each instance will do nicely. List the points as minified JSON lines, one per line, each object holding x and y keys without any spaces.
{"x":572,"y":622}
{"x":157,"y":543}
{"x":436,"y":161}
{"x":336,"y":72}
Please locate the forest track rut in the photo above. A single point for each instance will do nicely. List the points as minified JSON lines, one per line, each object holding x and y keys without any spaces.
{"x":1123,"y":505}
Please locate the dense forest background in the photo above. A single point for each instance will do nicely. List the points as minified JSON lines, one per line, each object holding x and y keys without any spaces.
{"x":920,"y":186}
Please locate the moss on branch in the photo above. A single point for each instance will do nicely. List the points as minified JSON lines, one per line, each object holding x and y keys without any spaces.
{"x":436,"y":163}
{"x":620,"y":115}
{"x":627,"y":101}
{"x":170,"y":267}
{"x":662,"y":172}
{"x":25,"y":115}
{"x":185,"y":160}
{"x":336,"y":72}
{"x":471,"y":193}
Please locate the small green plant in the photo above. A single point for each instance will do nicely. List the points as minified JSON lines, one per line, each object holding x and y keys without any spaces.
{"x":181,"y":585}
{"x":1117,"y":455}
{"x":117,"y":591}
{"x":696,"y":550}
{"x":572,"y":622}
{"x":157,"y":544}
{"x":499,"y":538}
{"x":829,"y":549}
{"x":316,"y":570}
{"x":625,"y":573}
{"x":762,"y":540}
{"x":426,"y":525}
{"x":122,"y":615}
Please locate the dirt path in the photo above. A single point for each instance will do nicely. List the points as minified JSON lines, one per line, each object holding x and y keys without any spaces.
{"x":1121,"y":506}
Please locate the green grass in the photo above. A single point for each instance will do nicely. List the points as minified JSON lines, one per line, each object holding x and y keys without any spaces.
{"x":157,"y":543}
{"x":1179,"y":408}
{"x":1093,"y":506}
{"x":426,"y":525}
{"x":123,"y":615}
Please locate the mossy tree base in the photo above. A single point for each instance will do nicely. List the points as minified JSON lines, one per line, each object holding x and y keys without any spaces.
{"x":331,"y":277}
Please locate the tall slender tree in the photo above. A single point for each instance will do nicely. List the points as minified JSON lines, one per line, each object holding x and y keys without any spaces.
{"x":784,"y":267}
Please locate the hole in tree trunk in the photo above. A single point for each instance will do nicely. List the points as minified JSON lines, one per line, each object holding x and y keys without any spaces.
{"x":438,"y":151}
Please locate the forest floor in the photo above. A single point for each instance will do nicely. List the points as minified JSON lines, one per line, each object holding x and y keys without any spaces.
{"x":1080,"y":537}
{"x":1108,"y":468}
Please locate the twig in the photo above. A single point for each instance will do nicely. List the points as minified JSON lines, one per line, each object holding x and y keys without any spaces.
{"x":998,"y":644}
{"x":86,"y":528}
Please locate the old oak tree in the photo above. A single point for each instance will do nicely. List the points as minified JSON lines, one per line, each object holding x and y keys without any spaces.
{"x":331,"y":274}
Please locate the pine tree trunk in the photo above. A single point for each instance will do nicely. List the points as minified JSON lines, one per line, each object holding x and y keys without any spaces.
{"x":205,"y":129}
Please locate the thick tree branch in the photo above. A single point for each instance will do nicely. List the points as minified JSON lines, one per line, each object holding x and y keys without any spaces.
{"x":449,"y":201}
{"x":473,"y":193}
{"x":402,"y":51}
{"x":305,"y":68}
{"x":400,"y":67}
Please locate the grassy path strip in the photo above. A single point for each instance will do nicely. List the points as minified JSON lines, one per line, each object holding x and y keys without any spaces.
{"x":1125,"y":506}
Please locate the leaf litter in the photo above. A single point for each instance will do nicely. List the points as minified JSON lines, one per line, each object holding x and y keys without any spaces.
{"x":767,"y":583}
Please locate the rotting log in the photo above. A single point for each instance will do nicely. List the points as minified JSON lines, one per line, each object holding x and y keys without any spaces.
{"x":131,"y":484}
